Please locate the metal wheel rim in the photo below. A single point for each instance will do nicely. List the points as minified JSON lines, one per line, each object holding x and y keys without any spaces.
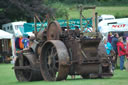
{"x":24,"y":74}
{"x":54,"y":31}
{"x":58,"y":63}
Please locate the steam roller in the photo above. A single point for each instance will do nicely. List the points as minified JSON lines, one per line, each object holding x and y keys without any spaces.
{"x":57,"y":52}
{"x":60,"y":52}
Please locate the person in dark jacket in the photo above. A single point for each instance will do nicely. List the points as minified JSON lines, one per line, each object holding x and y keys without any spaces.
{"x":110,"y":36}
{"x":121,"y":52}
{"x":114,"y":42}
{"x":114,"y":45}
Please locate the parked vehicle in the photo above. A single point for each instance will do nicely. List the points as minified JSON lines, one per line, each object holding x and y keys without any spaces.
{"x":105,"y":17}
{"x":119,"y":26}
{"x":15,"y":28}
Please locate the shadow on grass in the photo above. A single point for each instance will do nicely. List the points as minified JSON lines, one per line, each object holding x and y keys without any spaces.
{"x":112,"y":78}
{"x":120,"y":78}
{"x":66,"y":81}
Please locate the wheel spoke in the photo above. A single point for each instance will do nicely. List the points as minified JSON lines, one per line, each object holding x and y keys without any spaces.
{"x":52,"y":72}
{"x":52,"y":61}
{"x":53,"y":52}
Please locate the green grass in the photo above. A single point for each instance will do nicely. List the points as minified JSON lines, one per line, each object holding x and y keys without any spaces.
{"x":7,"y":77}
{"x":73,"y":12}
{"x":119,"y":12}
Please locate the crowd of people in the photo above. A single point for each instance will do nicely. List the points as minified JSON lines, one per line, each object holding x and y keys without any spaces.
{"x":115,"y":44}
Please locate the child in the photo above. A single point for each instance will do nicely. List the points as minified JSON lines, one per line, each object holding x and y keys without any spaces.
{"x":121,"y":52}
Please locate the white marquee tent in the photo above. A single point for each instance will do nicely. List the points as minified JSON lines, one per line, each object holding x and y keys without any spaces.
{"x":6,"y":35}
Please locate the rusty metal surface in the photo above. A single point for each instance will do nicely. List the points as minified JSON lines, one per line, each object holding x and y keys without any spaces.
{"x":54,"y":59}
{"x":54,"y":31}
{"x":62,"y":53}
{"x":25,"y":69}
{"x":57,"y":52}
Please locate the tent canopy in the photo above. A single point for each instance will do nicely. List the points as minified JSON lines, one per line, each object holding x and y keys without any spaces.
{"x":5,"y":35}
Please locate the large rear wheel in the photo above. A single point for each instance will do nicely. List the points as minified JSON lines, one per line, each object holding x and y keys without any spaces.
{"x":54,"y":61}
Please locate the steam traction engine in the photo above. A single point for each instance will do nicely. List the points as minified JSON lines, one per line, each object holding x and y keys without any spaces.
{"x":58,"y":52}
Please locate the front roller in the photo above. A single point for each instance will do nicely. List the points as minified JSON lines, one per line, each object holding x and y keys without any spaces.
{"x":54,"y":61}
{"x":26,"y":68}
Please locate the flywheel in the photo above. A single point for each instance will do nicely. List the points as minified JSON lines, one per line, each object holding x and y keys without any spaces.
{"x":54,"y":31}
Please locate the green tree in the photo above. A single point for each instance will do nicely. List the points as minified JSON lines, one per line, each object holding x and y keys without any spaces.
{"x":12,"y":10}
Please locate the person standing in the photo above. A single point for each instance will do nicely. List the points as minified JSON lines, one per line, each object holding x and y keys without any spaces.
{"x":108,"y":47}
{"x":110,"y":52}
{"x":126,"y":63}
{"x":127,"y":48}
{"x":25,"y":41}
{"x":121,"y":52}
{"x":114,"y":45}
{"x":110,"y":37}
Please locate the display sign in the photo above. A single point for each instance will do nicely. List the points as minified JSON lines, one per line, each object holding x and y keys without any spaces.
{"x":119,"y":26}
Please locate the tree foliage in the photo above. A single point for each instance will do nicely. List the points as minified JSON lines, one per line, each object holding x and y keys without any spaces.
{"x":15,"y":10}
{"x":12,"y":10}
{"x":81,"y":1}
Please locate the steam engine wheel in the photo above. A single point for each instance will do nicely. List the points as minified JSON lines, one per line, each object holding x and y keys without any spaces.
{"x":54,"y":61}
{"x":26,"y":69}
{"x":54,"y":31}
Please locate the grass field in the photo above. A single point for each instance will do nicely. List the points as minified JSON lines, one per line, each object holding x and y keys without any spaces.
{"x":118,"y":12}
{"x":7,"y":77}
{"x":73,"y":12}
